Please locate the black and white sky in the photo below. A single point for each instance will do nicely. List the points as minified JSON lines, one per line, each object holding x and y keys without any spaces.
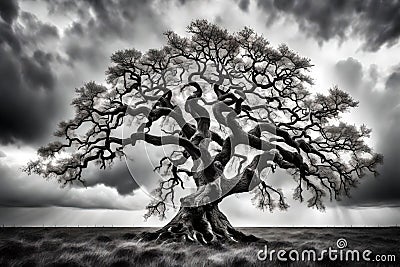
{"x":50,"y":47}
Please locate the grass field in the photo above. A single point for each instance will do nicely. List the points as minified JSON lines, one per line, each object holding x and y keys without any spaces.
{"x":120,"y":247}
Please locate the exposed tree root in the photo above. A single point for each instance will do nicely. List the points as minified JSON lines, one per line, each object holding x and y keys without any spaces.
{"x":205,"y":224}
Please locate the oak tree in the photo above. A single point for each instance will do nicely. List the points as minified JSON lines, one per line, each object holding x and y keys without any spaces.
{"x":210,"y":94}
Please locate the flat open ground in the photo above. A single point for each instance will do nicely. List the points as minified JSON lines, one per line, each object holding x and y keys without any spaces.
{"x":119,"y":247}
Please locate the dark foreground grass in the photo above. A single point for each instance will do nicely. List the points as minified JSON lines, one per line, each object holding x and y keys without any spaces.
{"x":120,"y":247}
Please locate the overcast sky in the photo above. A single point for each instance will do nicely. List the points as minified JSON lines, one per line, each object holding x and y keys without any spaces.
{"x":50,"y":47}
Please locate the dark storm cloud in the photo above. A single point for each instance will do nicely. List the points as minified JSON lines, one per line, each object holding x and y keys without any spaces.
{"x":35,"y":30}
{"x":244,"y":5}
{"x":380,"y":110}
{"x":20,"y":190}
{"x":8,"y":10}
{"x":8,"y":38}
{"x":27,"y":98}
{"x":37,"y":70}
{"x":103,"y":22}
{"x":376,"y":22}
{"x":393,"y":82}
{"x":118,"y":177}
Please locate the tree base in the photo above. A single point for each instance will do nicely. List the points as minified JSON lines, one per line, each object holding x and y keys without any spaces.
{"x":204,"y":224}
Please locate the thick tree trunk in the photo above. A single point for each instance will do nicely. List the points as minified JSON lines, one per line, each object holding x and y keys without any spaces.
{"x":199,"y":218}
{"x":204,"y":224}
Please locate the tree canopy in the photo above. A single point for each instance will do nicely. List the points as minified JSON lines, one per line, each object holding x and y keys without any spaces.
{"x":210,"y":92}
